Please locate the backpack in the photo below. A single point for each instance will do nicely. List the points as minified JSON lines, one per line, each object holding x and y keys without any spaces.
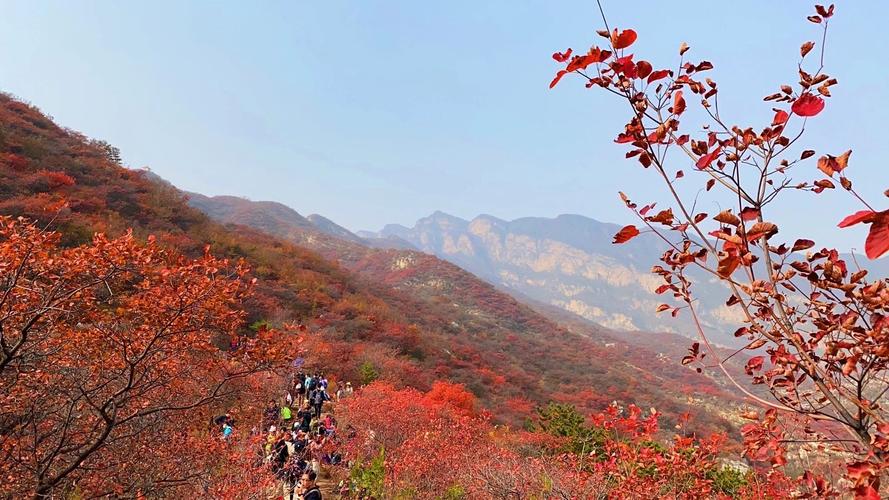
{"x":318,"y":397}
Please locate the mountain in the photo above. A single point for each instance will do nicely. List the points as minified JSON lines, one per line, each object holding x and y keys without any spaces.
{"x":496,"y":322}
{"x":405,"y":316}
{"x":567,"y":261}
{"x":330,"y":227}
{"x":570,"y":262}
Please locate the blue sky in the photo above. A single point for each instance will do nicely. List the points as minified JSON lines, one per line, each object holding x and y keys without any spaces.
{"x":373,"y":112}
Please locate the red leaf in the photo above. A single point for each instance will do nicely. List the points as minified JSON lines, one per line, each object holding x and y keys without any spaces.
{"x":625,"y":65}
{"x":805,"y":48}
{"x":860,"y":216}
{"x":802,"y":245}
{"x":657,"y":75}
{"x":558,"y":77}
{"x":807,"y":105}
{"x":822,"y":184}
{"x":749,"y":213}
{"x":624,"y":39}
{"x":781,"y":117}
{"x":753,"y":364}
{"x":562,"y":56}
{"x":727,"y":265}
{"x":678,"y":103}
{"x":849,"y":365}
{"x":705,"y":161}
{"x":625,"y":234}
{"x":833,"y":164}
{"x":646,"y":209}
{"x":624,"y":138}
{"x":877,"y":242}
{"x":643,"y":69}
{"x":825,"y":13}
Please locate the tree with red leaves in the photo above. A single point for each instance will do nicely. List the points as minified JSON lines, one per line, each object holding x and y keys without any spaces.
{"x":817,"y":326}
{"x":410,"y":444}
{"x":110,"y":365}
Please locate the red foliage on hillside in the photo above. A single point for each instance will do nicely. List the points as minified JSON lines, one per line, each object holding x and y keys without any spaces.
{"x":411,"y":444}
{"x":411,"y":325}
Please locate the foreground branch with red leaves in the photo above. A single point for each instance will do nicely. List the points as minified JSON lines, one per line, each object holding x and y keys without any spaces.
{"x":818,"y":326}
{"x":110,"y":364}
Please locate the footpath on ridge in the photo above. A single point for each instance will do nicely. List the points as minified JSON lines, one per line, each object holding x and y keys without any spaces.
{"x":298,"y":435}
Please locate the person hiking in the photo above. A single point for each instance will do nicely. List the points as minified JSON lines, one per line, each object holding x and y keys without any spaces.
{"x":310,"y":489}
{"x":293,"y":471}
{"x":285,"y":415}
{"x":299,"y":388}
{"x":317,"y":399}
{"x":279,"y":456}
{"x":305,"y":418}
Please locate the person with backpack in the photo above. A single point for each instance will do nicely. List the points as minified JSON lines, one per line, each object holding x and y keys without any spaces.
{"x":317,"y":399}
{"x":304,"y":418}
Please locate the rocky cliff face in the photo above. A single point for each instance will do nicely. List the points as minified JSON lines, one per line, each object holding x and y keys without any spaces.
{"x":569,"y":262}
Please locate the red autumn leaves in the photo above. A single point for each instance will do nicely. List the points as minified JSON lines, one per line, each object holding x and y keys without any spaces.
{"x":625,"y":234}
{"x":622,"y":40}
{"x":834,"y":164}
{"x":877,"y":243}
{"x":596,"y":55}
{"x":807,"y":105}
{"x":578,"y":63}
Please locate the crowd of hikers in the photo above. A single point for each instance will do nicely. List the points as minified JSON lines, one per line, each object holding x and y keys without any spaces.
{"x":296,"y":435}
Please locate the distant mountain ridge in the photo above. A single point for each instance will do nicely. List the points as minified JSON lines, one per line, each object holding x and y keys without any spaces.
{"x":567,"y":261}
{"x":277,"y":218}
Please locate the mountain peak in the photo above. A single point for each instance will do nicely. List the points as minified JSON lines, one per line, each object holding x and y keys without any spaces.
{"x":330,"y":227}
{"x":443,"y":220}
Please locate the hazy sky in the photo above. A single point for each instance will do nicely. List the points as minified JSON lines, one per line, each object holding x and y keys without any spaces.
{"x":372,"y":112}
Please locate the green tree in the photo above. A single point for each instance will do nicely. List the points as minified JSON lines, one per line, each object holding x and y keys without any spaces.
{"x":369,"y":480}
{"x":367,"y":372}
{"x":563,"y":420}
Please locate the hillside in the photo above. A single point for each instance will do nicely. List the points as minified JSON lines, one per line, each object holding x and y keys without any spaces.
{"x":409,"y":316}
{"x":520,"y":344}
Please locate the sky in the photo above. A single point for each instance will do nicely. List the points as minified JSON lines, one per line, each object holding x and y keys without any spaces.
{"x":372,"y":112}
